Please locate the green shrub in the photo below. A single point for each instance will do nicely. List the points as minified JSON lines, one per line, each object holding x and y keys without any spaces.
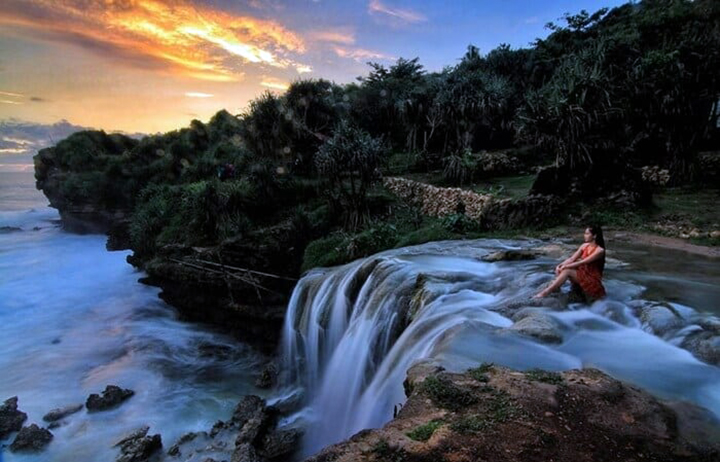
{"x":424,"y":432}
{"x":328,"y":251}
{"x":459,"y":223}
{"x":446,"y":394}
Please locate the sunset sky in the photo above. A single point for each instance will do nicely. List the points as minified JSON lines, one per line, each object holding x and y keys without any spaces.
{"x":153,"y":65}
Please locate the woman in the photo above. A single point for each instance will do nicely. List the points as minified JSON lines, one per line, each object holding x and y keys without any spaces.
{"x":584,"y":268}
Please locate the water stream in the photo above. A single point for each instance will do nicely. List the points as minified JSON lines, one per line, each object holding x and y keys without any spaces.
{"x":352,"y":332}
{"x":74,"y":319}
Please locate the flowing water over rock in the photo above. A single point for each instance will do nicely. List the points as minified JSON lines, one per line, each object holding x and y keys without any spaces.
{"x":352,"y":332}
{"x":74,"y":319}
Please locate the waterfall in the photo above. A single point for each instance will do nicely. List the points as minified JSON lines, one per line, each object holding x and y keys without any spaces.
{"x":352,"y":332}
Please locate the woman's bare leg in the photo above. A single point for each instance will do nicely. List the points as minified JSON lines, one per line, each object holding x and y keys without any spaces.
{"x":559,"y":281}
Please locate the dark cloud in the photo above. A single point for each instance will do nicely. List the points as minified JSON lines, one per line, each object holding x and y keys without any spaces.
{"x":37,"y":99}
{"x":24,"y":139}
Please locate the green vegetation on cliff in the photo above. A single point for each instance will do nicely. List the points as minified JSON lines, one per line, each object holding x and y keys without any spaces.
{"x":297,"y":175}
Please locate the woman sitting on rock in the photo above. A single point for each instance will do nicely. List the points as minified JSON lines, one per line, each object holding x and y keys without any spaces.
{"x":584,"y":268}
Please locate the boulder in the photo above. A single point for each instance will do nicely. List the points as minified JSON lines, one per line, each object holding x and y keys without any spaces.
{"x":535,"y":323}
{"x":31,"y":439}
{"x":704,"y":344}
{"x":267,"y":376}
{"x":245,"y":453}
{"x":11,"y":419}
{"x":112,"y":396}
{"x":252,"y":418}
{"x":509,"y":255}
{"x":280,"y":443}
{"x":138,"y":446}
{"x":59,"y":413}
{"x":660,"y":319}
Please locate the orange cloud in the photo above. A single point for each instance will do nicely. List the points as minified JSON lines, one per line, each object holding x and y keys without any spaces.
{"x":346,"y":37}
{"x":193,"y":40}
{"x":360,"y":54}
{"x":275,"y":84}
{"x":403,"y":15}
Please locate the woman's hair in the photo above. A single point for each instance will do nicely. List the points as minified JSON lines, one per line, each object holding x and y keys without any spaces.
{"x":599,"y":240}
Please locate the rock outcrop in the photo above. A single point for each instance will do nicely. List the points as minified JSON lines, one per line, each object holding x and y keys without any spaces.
{"x":138,"y":446}
{"x":250,"y":435}
{"x":111,"y":397}
{"x":11,"y":418}
{"x":494,"y":413}
{"x":31,"y":439}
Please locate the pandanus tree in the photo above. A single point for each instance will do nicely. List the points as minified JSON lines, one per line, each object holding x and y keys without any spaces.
{"x":475,"y":102}
{"x":574,"y":114}
{"x":389,"y":102}
{"x":351,"y":161}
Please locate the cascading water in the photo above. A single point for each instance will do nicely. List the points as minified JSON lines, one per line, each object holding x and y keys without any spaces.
{"x":352,"y":332}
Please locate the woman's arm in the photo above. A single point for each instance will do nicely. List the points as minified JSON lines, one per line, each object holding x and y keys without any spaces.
{"x":596,"y":255}
{"x":570,"y":259}
{"x":574,"y":256}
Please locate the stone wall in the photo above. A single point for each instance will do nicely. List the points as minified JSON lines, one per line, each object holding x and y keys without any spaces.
{"x":489,"y":211}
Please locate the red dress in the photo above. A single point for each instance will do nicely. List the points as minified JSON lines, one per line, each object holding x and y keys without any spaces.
{"x":589,"y":275}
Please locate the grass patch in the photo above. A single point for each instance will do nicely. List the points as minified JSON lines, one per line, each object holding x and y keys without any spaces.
{"x":386,"y":453}
{"x":499,"y":408}
{"x":424,"y":432}
{"x":506,"y":187}
{"x":539,"y":375}
{"x":446,"y":394}
{"x":479,"y":373}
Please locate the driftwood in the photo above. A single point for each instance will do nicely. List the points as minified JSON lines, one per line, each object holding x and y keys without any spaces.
{"x":241,"y":274}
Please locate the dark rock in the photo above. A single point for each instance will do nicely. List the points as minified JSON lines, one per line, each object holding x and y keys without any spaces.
{"x":535,"y":323}
{"x":111,"y":397}
{"x":267,"y":376}
{"x":218,"y":427}
{"x":9,"y":229}
{"x":704,"y":344}
{"x":660,"y":319}
{"x":32,"y":438}
{"x":280,"y":443}
{"x":137,"y":446}
{"x":186,"y":438}
{"x":11,"y":419}
{"x":252,"y":418}
{"x":245,"y":453}
{"x":290,"y":403}
{"x":509,"y":255}
{"x":59,"y":413}
{"x":56,"y":424}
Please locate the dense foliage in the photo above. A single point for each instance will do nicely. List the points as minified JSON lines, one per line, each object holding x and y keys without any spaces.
{"x":632,"y":86}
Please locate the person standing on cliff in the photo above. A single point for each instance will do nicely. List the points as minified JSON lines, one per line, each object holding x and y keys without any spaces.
{"x":584,"y":268}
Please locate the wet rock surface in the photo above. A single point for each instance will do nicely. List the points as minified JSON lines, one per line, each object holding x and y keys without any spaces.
{"x":494,"y":413}
{"x":59,"y":413}
{"x":138,"y":446}
{"x":111,"y":397}
{"x":11,"y":418}
{"x":250,"y":435}
{"x":31,"y":439}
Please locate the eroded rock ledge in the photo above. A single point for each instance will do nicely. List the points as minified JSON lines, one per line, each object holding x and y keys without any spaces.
{"x":497,"y":414}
